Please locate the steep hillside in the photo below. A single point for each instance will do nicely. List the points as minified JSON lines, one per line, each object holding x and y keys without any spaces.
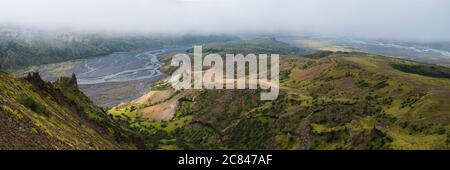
{"x":328,"y":100}
{"x":40,"y":115}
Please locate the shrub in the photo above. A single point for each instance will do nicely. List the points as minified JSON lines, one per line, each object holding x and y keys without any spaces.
{"x":31,"y":104}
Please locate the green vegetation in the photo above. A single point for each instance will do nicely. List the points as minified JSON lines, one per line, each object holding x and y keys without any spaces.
{"x":33,"y":105}
{"x":156,"y":134}
{"x":319,"y":54}
{"x":425,"y":70}
{"x":266,"y":45}
{"x":328,"y":100}
{"x":161,"y":86}
{"x":38,"y":115}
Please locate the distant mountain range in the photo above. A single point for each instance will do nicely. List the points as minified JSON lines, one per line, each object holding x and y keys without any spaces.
{"x":21,"y":47}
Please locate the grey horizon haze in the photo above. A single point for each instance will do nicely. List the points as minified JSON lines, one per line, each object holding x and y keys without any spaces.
{"x":394,"y":19}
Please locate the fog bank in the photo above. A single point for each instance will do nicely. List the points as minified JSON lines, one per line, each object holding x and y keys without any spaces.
{"x":395,"y":19}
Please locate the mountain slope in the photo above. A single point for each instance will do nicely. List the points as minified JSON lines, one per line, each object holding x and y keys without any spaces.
{"x":258,"y":45}
{"x":328,"y":100}
{"x":40,"y":115}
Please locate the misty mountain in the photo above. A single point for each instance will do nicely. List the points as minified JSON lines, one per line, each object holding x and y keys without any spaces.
{"x":21,"y":47}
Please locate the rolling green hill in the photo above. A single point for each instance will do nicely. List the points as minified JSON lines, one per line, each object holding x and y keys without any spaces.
{"x":328,"y":100}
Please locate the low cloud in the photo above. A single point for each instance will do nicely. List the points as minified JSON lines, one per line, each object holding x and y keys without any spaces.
{"x":407,"y":19}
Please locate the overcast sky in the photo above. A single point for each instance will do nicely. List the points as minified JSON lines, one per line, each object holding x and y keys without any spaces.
{"x":411,"y":19}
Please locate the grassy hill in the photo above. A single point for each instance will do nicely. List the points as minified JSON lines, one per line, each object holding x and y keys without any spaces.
{"x":41,"y":115}
{"x":328,"y":100}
